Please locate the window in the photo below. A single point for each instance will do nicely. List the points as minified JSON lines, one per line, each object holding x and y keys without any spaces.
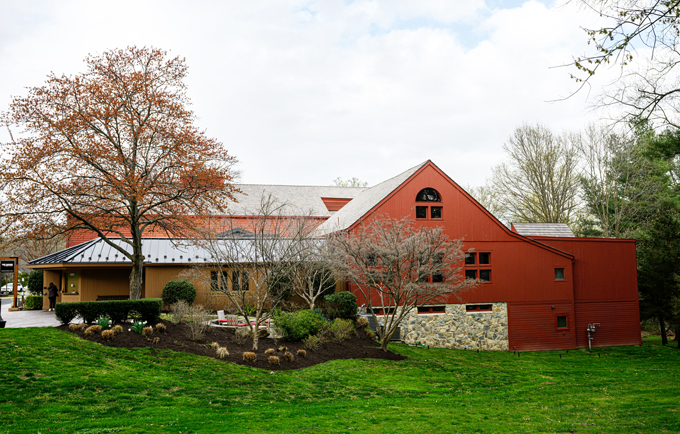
{"x":484,"y":258}
{"x":485,"y":275}
{"x":470,"y":258}
{"x":562,"y":323}
{"x":239,"y":280}
{"x":436,"y":212}
{"x":428,"y":195}
{"x":471,"y":274}
{"x":559,"y":273}
{"x":473,"y":308}
{"x":214,"y":284}
{"x":224,"y":281}
{"x":382,"y":310}
{"x":432,"y":309}
{"x":437,"y":278}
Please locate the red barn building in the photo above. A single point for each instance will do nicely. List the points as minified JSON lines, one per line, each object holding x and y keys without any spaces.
{"x":540,"y":287}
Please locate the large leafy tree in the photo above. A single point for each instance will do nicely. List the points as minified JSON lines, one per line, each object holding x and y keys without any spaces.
{"x":113,"y":150}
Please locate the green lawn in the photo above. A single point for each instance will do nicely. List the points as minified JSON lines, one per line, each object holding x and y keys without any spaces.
{"x":51,"y":381}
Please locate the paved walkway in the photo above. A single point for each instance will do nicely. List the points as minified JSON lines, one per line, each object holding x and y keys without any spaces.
{"x":27,"y":318}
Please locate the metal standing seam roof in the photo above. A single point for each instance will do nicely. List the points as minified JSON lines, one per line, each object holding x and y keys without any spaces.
{"x":162,"y":251}
{"x":363,"y":203}
{"x":299,"y":199}
{"x":543,"y":229}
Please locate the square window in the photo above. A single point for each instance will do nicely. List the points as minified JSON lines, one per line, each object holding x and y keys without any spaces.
{"x":559,"y":273}
{"x":436,"y":212}
{"x":485,"y":275}
{"x":437,"y":278}
{"x":470,"y":258}
{"x":562,"y":322}
{"x":471,"y":274}
{"x":484,"y":258}
{"x":421,"y":212}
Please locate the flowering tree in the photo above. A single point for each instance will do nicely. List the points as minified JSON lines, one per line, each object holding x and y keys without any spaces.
{"x":399,"y":267}
{"x":114,"y":151}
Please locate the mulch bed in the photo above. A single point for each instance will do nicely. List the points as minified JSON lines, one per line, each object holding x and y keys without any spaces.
{"x":177,"y":338}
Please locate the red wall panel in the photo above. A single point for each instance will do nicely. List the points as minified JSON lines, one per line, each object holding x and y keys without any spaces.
{"x":533,"y":327}
{"x":619,"y":323}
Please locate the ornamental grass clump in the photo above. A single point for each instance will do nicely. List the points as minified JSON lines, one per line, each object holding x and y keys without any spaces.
{"x":73,"y":327}
{"x":302,"y":353}
{"x":222,"y":352}
{"x":288,"y":356}
{"x":312,"y":343}
{"x":274,"y":360}
{"x":362,"y":322}
{"x":107,"y":335}
{"x":147,"y":331}
{"x":270,"y":351}
{"x":214,"y":345}
{"x":199,"y":321}
{"x":283,"y":349}
{"x":92,"y":330}
{"x":160,"y":327}
{"x":82,"y":326}
{"x":249,"y":356}
{"x":117,"y":329}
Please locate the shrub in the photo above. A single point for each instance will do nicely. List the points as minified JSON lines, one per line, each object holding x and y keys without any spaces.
{"x":342,"y":329}
{"x":297,"y":326}
{"x":176,"y":290}
{"x":33,"y":302}
{"x":341,"y":305}
{"x":35,"y":282}
{"x":147,"y":331}
{"x":362,"y":322}
{"x":178,"y":311}
{"x":288,"y":356}
{"x":222,"y":352}
{"x":274,"y":360}
{"x":107,"y":335}
{"x":302,"y":353}
{"x":312,"y":343}
{"x":65,"y":312}
{"x":249,"y":357}
{"x":104,"y":322}
{"x":198,"y":322}
{"x":160,"y":327}
{"x":149,"y":309}
{"x":90,"y":311}
{"x":117,"y":329}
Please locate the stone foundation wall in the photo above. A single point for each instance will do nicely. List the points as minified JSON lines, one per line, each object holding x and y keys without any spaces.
{"x":458,"y":329}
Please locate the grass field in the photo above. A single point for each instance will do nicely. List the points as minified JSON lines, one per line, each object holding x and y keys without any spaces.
{"x":51,"y":381}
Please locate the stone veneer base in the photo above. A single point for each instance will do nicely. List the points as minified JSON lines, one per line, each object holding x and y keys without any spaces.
{"x":459,"y":329}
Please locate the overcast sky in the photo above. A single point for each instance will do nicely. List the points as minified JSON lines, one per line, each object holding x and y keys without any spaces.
{"x":302,"y":92}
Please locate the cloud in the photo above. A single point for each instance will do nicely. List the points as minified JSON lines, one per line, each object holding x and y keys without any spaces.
{"x":305,"y":91}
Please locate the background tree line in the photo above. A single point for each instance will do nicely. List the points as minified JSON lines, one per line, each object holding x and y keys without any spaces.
{"x":603,"y":182}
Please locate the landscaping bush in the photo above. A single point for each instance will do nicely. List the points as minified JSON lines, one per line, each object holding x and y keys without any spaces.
{"x":298,"y":325}
{"x":65,"y":312}
{"x":342,"y":329}
{"x":341,"y":305}
{"x":118,"y":311}
{"x":33,"y":302}
{"x":179,"y":290}
{"x":35,"y":283}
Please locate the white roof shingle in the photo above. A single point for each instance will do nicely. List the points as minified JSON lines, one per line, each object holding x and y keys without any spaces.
{"x":543,"y":229}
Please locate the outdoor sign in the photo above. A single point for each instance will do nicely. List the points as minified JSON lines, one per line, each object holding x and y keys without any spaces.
{"x":6,"y":266}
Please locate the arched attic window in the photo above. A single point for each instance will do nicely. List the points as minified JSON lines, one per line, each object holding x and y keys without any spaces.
{"x":428,"y":212}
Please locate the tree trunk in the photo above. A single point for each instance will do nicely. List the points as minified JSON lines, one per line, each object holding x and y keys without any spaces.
{"x":664,"y":338}
{"x":256,"y":336}
{"x":384,"y":342}
{"x":137,"y":266}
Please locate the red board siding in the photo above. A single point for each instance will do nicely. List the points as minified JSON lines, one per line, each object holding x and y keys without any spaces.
{"x":533,"y":327}
{"x":619,"y":323}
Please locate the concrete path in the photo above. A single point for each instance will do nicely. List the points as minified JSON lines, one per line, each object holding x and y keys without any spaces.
{"x":27,"y":318}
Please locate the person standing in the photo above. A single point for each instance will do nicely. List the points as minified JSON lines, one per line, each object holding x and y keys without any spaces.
{"x":52,"y":295}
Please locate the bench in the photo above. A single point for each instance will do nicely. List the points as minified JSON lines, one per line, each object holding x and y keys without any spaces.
{"x":112,"y":297}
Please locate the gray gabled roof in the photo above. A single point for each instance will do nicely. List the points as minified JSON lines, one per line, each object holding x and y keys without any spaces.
{"x":543,"y":229}
{"x":363,"y":203}
{"x":301,"y":199}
